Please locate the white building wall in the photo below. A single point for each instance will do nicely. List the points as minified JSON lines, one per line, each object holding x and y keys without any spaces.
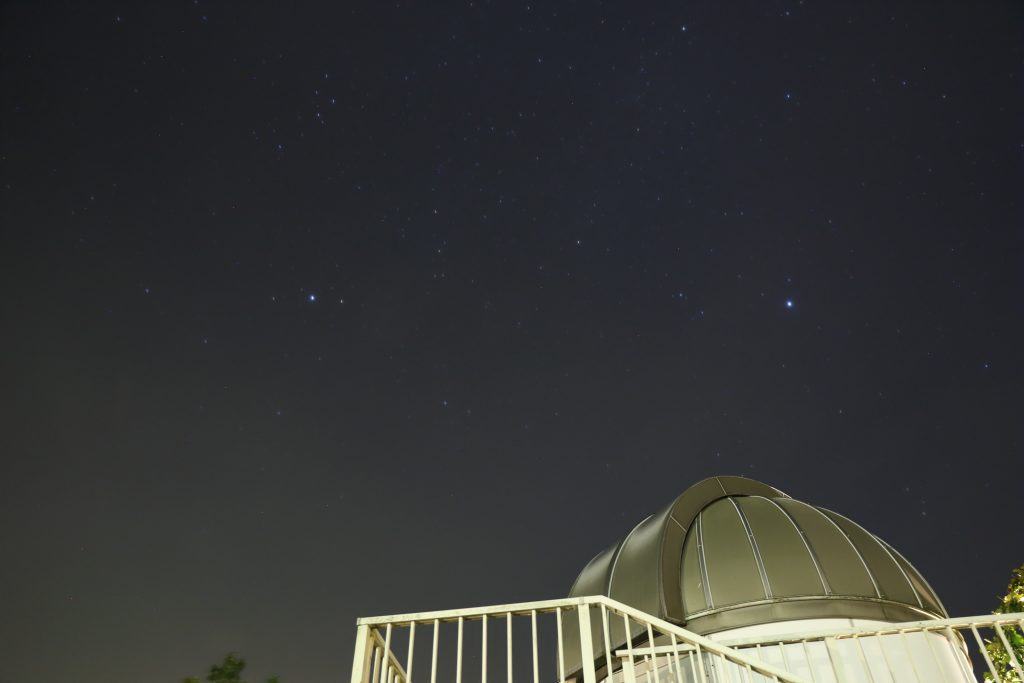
{"x":891,"y":658}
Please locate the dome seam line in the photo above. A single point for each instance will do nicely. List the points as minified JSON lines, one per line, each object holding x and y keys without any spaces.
{"x":825,"y":586}
{"x":765,"y":583}
{"x":871,"y":575}
{"x":702,"y":562}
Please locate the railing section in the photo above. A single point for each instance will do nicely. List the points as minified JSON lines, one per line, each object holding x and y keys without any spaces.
{"x":946,"y":651}
{"x":575,"y":640}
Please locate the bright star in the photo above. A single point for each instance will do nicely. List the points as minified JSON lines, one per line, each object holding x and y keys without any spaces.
{"x":789,"y":303}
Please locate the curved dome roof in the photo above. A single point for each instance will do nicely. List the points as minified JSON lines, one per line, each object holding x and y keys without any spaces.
{"x":732,"y":552}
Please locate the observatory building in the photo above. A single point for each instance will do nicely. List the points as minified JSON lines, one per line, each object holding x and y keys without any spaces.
{"x":732,"y":581}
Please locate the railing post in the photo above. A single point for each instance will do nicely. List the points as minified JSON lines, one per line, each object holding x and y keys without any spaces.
{"x":561,"y":645}
{"x":836,"y":658}
{"x":1009,"y":651}
{"x":361,"y":655}
{"x":587,"y":644}
{"x":984,"y":652}
{"x":628,"y":670}
{"x":409,"y":659}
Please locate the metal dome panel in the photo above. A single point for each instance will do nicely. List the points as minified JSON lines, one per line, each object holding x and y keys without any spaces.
{"x":732,"y":552}
{"x":842,"y":567}
{"x":789,"y":567}
{"x":893,"y":583}
{"x":725,"y":552}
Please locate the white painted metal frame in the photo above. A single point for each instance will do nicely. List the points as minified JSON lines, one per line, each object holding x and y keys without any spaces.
{"x":375,"y":662}
{"x":952,"y":630}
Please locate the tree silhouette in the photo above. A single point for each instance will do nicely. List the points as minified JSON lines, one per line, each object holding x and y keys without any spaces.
{"x":1010,"y":603}
{"x":228,"y":671}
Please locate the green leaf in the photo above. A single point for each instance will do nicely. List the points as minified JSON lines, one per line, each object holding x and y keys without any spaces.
{"x":1013,"y":601}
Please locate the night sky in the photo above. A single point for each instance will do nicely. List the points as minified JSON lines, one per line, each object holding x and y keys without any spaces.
{"x":319,"y":310}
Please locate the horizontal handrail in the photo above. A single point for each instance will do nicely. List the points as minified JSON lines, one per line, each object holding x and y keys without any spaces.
{"x":930,"y":625}
{"x":518,"y":609}
{"x":942,"y":627}
{"x":695,"y":639}
{"x":699,"y":651}
{"x":581,"y":606}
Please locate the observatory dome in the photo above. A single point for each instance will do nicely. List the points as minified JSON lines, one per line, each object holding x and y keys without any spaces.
{"x":732,"y":552}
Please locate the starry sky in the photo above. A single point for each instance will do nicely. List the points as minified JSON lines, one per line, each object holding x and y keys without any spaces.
{"x":320,"y":310}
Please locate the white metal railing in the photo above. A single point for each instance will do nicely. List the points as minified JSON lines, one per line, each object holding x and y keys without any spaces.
{"x":585,"y":631}
{"x":922,"y":651}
